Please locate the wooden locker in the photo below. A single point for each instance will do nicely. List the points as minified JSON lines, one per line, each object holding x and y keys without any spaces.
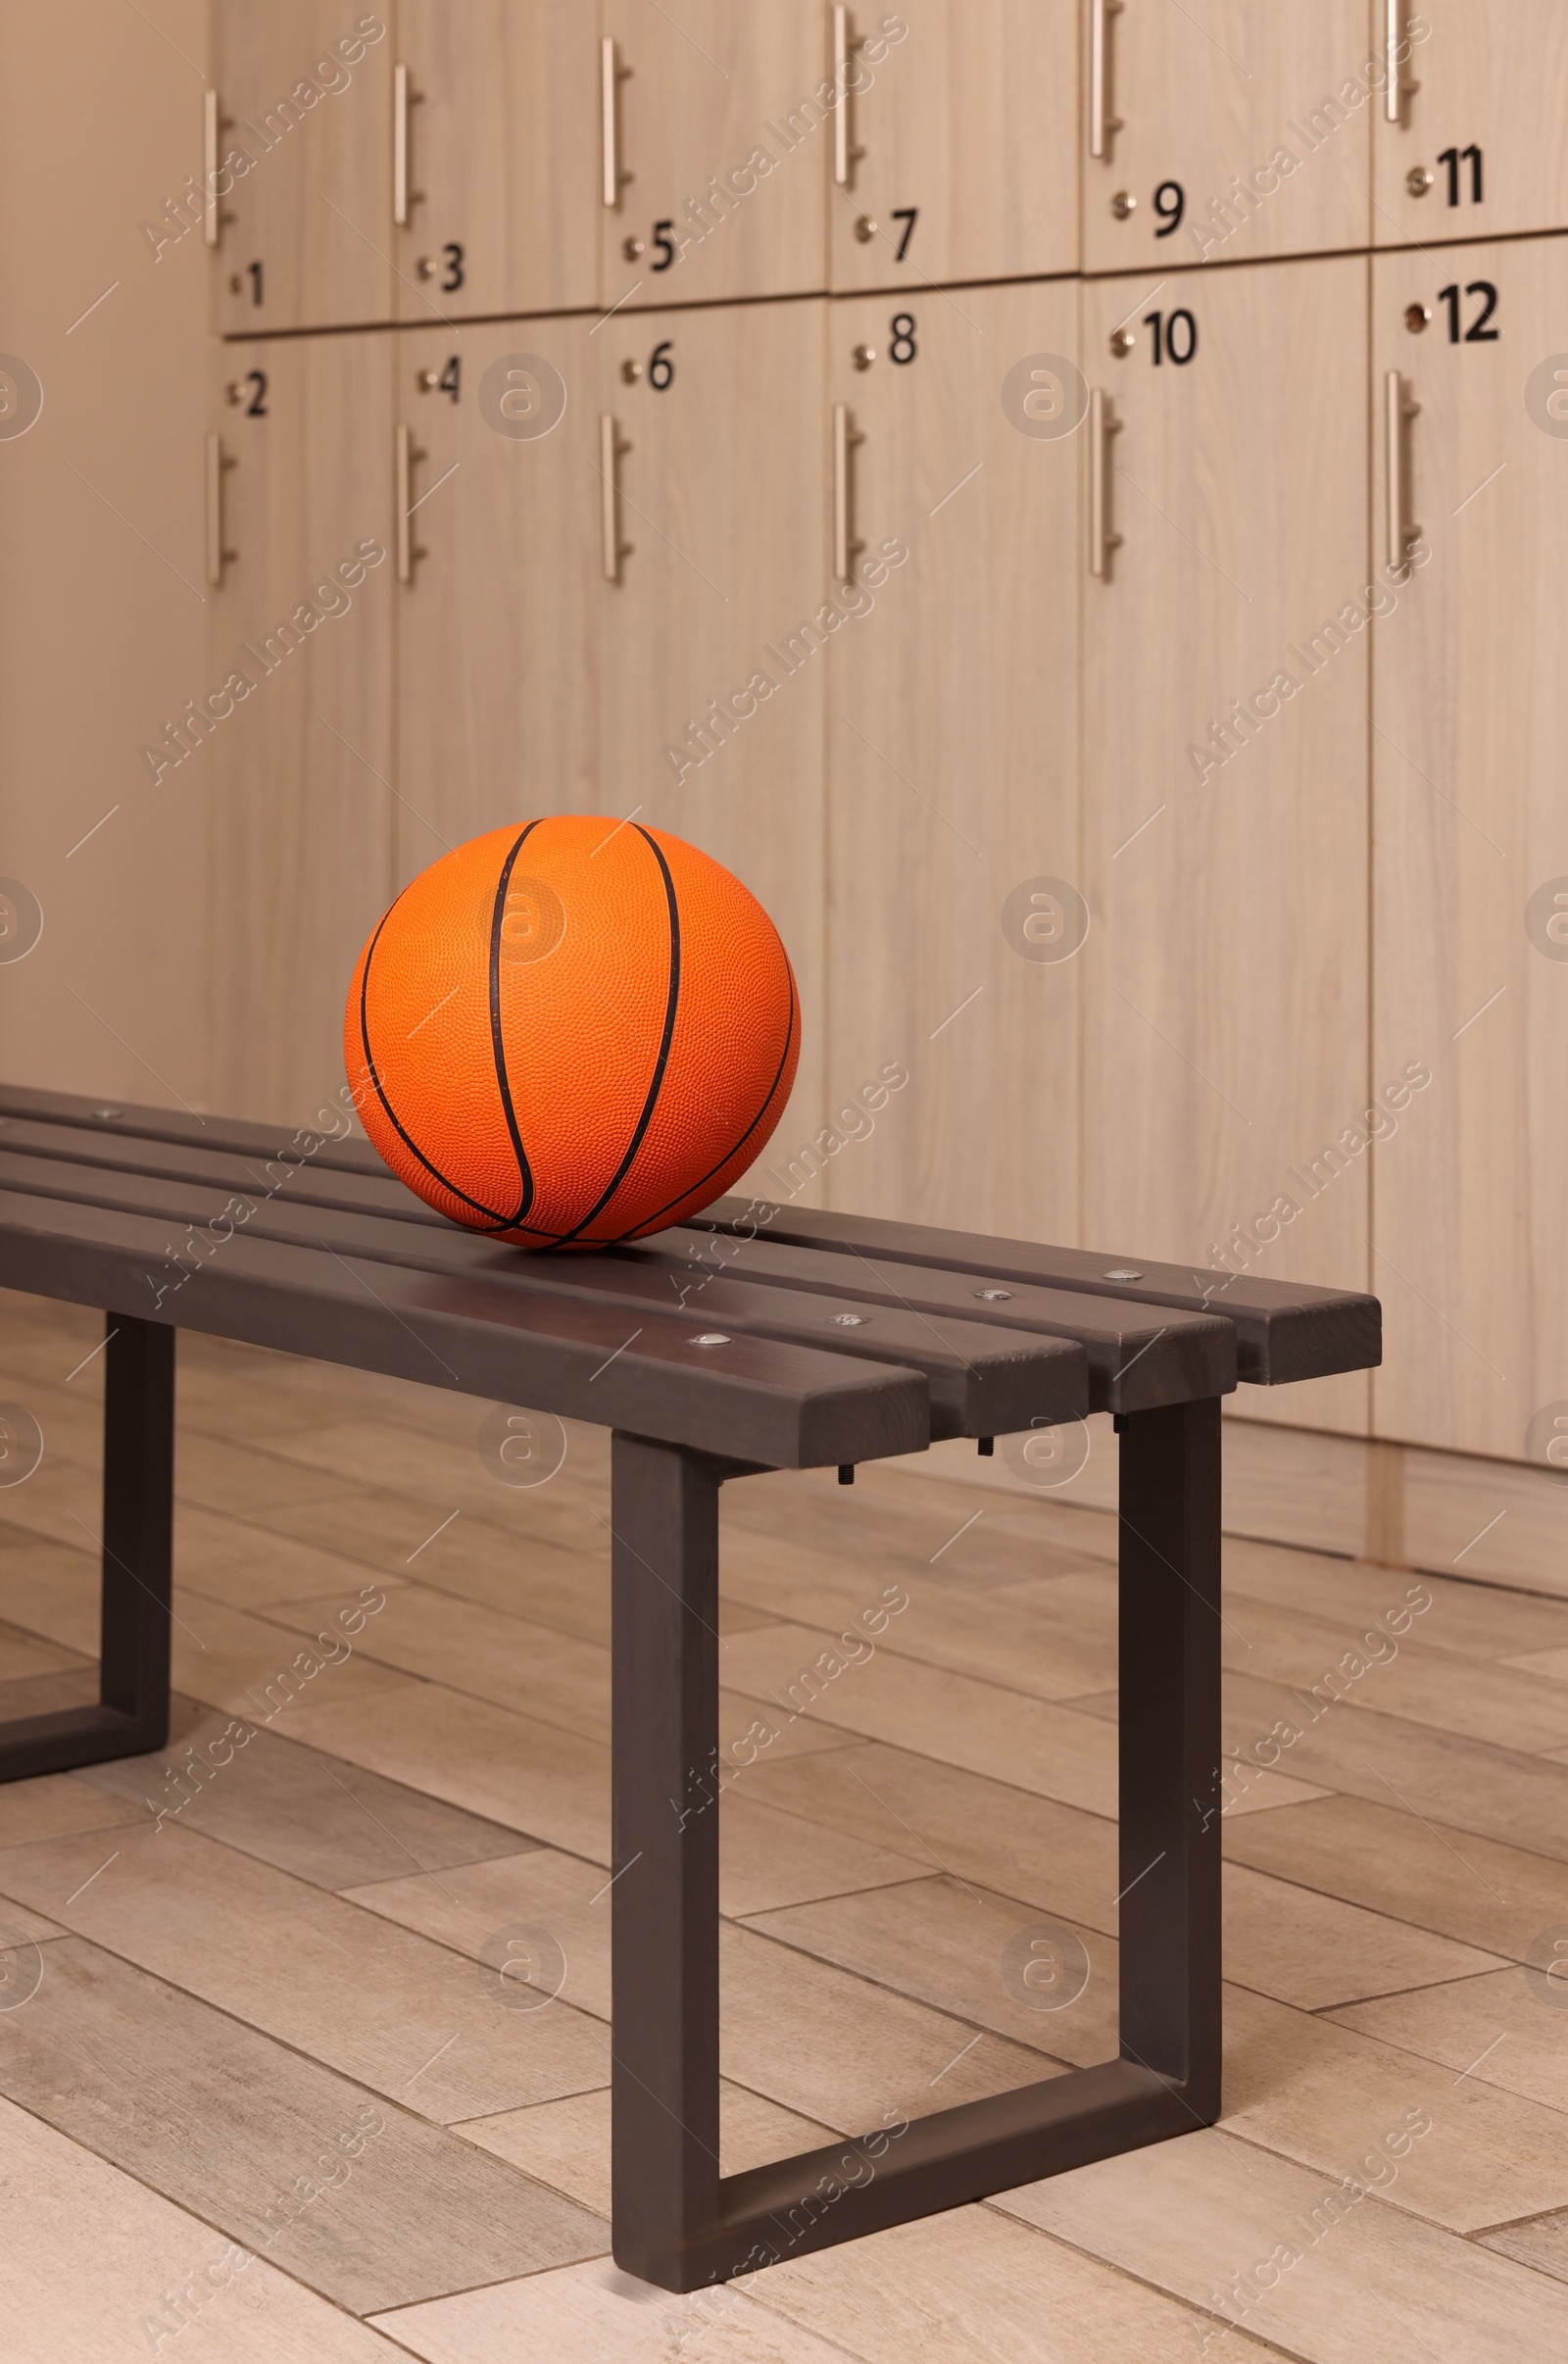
{"x":495,"y":199}
{"x":957,"y":159}
{"x":1472,"y":142}
{"x":299,"y":165}
{"x":715,"y":149}
{"x":715,"y":565}
{"x":1241,"y":135}
{"x":1470,"y":720}
{"x":298,"y":729}
{"x":1225,"y":727}
{"x":498,"y":616}
{"x":956,"y":917}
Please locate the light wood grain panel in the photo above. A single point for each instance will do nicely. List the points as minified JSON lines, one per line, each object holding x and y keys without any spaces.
{"x":1506,"y":2017}
{"x":566,"y":2143}
{"x":89,"y":2266}
{"x":240,"y":2129}
{"x":306,"y":92}
{"x":499,"y":664}
{"x":1261,"y":117}
{"x":1197,"y":2228}
{"x":1483,"y":76}
{"x":581,"y":2314}
{"x":968,"y":115}
{"x":725,"y":139}
{"x":1468,"y":725}
{"x":1225,"y":978}
{"x":723,"y":500}
{"x":952,"y":761}
{"x":300,"y":766}
{"x":502,"y":140}
{"x":53,"y":1805}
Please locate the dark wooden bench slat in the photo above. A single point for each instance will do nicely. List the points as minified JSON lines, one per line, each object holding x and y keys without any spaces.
{"x":983,"y":1381}
{"x":1139,"y":1357}
{"x":757,"y":1398}
{"x":291,"y":1175}
{"x":127,"y":1117}
{"x":1284,"y":1330}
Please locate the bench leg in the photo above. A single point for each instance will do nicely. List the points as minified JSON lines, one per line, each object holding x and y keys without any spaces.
{"x":676,"y":2220}
{"x":132,"y":1711}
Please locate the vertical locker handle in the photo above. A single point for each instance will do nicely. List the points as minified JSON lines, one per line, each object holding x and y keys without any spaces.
{"x":1101,"y":122}
{"x":844,"y":546}
{"x":841,"y":84}
{"x":215,"y":553}
{"x":400,"y":146}
{"x":609,"y":136}
{"x":403,"y":504}
{"x":612,"y":548}
{"x":1392,"y":90}
{"x":1102,"y":541}
{"x":1397,"y":411}
{"x":209,"y":130}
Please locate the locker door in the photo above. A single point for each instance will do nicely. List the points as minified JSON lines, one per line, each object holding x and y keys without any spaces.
{"x":1473,"y":144}
{"x":299,"y":735}
{"x":1470,"y":715}
{"x":716,"y":139}
{"x":498,"y":195}
{"x":1225,"y":729}
{"x":959,"y":157}
{"x":498,"y":667}
{"x":299,"y":137}
{"x":1244,"y":134}
{"x":715,"y":567}
{"x":957,"y":922}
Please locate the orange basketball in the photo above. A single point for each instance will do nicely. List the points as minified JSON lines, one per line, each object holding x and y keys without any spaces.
{"x":572,"y":1031}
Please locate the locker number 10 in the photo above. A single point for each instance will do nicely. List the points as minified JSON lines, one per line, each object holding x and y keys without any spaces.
{"x":1175,"y":336}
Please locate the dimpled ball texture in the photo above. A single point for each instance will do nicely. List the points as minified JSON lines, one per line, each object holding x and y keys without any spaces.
{"x":570,"y":1031}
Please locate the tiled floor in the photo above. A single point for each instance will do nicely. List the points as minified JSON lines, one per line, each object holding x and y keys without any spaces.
{"x":262,"y":2095}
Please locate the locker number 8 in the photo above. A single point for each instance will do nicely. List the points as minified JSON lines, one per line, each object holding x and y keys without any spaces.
{"x":903,"y":347}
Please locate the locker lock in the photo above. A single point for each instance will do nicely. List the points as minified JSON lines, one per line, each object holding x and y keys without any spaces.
{"x":1121,"y":342}
{"x":632,"y":249}
{"x":863,"y":356}
{"x":237,"y":391}
{"x":866,"y":229}
{"x":427,"y":380}
{"x":1416,"y":317}
{"x":1419,"y":179}
{"x":1123,"y":204}
{"x":631,"y":372}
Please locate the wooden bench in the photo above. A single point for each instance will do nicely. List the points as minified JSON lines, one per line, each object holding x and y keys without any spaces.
{"x":746,"y":1342}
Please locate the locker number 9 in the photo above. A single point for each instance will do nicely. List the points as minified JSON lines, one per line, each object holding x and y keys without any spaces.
{"x":1170,"y":203}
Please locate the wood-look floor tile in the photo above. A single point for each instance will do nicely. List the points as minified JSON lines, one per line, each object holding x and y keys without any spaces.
{"x":1541,"y":2242}
{"x":377,"y":2002}
{"x":836,"y":2049}
{"x":974,"y":2284}
{"x":1465,"y":1887}
{"x":1550,"y":1665}
{"x":258,"y":1668}
{"x":533,"y":1777}
{"x":922,"y":1529}
{"x":948,"y":1946}
{"x":566,"y":2143}
{"x":54,"y":1590}
{"x":1468,"y":1620}
{"x":1363,"y":2280}
{"x":1310,"y":1950}
{"x":92,"y":2263}
{"x":250,"y":1567}
{"x":1325,"y":2095}
{"x":235,"y":2127}
{"x":594,"y":2314}
{"x":1031,"y":1742}
{"x":327,"y":1822}
{"x":53,"y":1805}
{"x":1044,"y":1853}
{"x":1508,"y":2030}
{"x":24,"y":1654}
{"x":18,"y":1924}
{"x":221,"y":1474}
{"x":450,"y":1471}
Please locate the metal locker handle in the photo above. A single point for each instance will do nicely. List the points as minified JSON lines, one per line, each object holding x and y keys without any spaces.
{"x":612,"y":548}
{"x":1101,"y":123}
{"x":403,"y":503}
{"x":400,"y":146}
{"x":1102,"y":542}
{"x":1397,"y":411}
{"x":841,"y":83}
{"x":209,"y":130}
{"x":215,"y":553}
{"x":844,"y":546}
{"x":1392,"y":90}
{"x":610,"y":141}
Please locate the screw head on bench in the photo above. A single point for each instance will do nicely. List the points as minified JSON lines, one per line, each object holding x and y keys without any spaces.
{"x":847,"y":1321}
{"x":107,"y":1116}
{"x":1122,"y":1272}
{"x":995,"y":1296}
{"x":712,"y":1338}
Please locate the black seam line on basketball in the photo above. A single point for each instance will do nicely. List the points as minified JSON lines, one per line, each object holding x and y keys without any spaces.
{"x":789,"y":1037}
{"x":503,"y":1084}
{"x":408,"y":1141}
{"x":671,"y":998}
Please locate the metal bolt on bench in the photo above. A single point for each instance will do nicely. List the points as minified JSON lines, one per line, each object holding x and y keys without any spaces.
{"x":813,"y":1341}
